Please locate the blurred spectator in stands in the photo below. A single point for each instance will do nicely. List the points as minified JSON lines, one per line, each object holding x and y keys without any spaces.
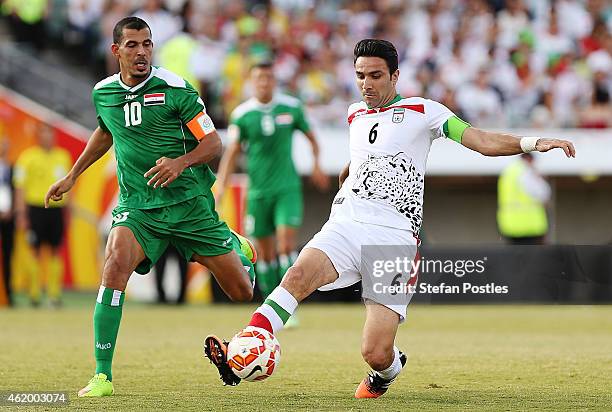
{"x":207,"y":61}
{"x":7,"y":221}
{"x":163,"y":24}
{"x":480,"y":102}
{"x":82,"y":33}
{"x":533,"y":48}
{"x":36,"y":169}
{"x":27,"y":20}
{"x":160,"y":274}
{"x":113,"y":11}
{"x":568,"y":89}
{"x":551,"y":42}
{"x":177,"y":53}
{"x":510,"y":22}
{"x":598,"y":115}
{"x":522,"y":197}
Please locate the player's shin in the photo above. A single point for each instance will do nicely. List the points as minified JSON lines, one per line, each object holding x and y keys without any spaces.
{"x":275,"y":311}
{"x":107,"y":317}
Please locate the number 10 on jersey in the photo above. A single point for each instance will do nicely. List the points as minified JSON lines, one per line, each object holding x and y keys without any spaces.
{"x":132,"y":113}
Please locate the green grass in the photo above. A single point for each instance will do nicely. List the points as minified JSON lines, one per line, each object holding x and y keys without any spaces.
{"x":460,"y":358}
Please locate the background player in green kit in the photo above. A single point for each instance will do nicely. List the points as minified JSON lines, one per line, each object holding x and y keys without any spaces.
{"x":163,"y":139}
{"x":264,"y":126}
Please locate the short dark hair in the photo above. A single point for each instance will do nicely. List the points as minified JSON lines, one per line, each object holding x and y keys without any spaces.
{"x":135,"y":23}
{"x":377,"y":48}
{"x":262,"y":64}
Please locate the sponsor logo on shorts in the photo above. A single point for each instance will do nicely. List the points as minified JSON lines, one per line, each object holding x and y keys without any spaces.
{"x":120,"y":217}
{"x":338,"y":201}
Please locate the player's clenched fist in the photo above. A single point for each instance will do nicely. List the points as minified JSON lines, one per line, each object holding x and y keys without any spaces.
{"x":165,"y":171}
{"x":57,"y":190}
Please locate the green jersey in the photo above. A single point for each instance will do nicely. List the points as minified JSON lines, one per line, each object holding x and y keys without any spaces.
{"x":267,"y":132}
{"x":162,"y":116}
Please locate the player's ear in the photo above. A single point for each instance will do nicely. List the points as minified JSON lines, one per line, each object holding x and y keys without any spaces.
{"x":394,"y":77}
{"x":115,"y":49}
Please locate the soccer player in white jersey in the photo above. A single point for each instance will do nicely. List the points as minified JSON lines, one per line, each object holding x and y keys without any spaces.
{"x":379,"y":203}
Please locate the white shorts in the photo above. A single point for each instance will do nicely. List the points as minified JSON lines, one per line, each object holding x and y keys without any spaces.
{"x":341,"y":239}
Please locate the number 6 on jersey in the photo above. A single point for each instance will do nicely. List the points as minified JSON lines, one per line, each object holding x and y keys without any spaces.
{"x":373,"y":133}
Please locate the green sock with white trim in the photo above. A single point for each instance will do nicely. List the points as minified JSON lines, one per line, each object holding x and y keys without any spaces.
{"x":107,"y":317}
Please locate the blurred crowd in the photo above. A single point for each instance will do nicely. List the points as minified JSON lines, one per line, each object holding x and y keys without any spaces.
{"x":496,"y":63}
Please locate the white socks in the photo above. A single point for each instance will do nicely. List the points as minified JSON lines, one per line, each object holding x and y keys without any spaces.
{"x":394,"y":369}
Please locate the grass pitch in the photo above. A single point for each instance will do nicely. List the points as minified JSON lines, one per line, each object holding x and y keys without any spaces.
{"x":460,"y":358}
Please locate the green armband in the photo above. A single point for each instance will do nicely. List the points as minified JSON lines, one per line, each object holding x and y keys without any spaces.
{"x":454,"y":127}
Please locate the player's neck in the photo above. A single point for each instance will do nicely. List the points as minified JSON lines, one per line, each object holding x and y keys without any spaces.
{"x":132,"y":81}
{"x":389,"y":100}
{"x":264,"y":99}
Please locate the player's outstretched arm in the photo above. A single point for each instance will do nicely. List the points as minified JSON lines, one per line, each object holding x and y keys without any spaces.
{"x":98,"y":144}
{"x":343,"y":174}
{"x":166,"y":170}
{"x":502,"y":144}
{"x":318,"y":178}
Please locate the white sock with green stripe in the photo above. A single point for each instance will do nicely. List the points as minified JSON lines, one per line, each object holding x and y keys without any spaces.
{"x":275,"y":311}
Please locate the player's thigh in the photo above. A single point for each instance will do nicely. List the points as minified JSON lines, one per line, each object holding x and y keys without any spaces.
{"x":312,"y":269}
{"x":150,"y":230}
{"x":379,"y":330}
{"x":123,"y":254}
{"x":289,"y":209}
{"x":259,"y":220}
{"x":266,"y":248}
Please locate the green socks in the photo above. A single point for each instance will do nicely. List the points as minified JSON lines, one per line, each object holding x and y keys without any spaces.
{"x":266,"y":277}
{"x":284,"y":263}
{"x":107,"y":317}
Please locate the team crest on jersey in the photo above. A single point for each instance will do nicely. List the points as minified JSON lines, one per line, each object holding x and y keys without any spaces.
{"x":398,"y":115}
{"x":154,"y":99}
{"x":283,"y":119}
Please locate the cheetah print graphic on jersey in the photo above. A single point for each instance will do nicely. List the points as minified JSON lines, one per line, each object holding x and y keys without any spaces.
{"x":394,"y":180}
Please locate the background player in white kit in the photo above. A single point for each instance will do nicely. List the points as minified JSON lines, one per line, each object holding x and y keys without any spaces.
{"x":379,"y":203}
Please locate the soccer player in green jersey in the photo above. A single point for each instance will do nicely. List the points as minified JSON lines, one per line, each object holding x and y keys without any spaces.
{"x":264,"y":127}
{"x":163,"y":139}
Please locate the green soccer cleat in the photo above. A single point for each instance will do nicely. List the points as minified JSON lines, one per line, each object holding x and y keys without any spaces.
{"x":246,"y":247}
{"x":98,"y":386}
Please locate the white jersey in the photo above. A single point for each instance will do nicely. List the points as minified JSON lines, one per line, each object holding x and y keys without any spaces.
{"x":389,"y":148}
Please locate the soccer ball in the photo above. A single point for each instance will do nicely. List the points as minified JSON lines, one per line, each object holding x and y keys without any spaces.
{"x":253,"y":354}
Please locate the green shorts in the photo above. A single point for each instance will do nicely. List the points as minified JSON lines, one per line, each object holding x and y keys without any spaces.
{"x":192,"y":227}
{"x":265,"y":214}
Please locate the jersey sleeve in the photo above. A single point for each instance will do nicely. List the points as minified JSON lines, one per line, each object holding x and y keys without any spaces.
{"x":94,"y":98}
{"x":443,"y":122}
{"x":301,"y":122}
{"x":192,"y":111}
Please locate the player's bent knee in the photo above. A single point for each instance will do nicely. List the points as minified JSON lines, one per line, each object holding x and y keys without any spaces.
{"x":116,"y":272}
{"x":242,"y":293}
{"x":295,"y":281}
{"x":378,"y":358}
